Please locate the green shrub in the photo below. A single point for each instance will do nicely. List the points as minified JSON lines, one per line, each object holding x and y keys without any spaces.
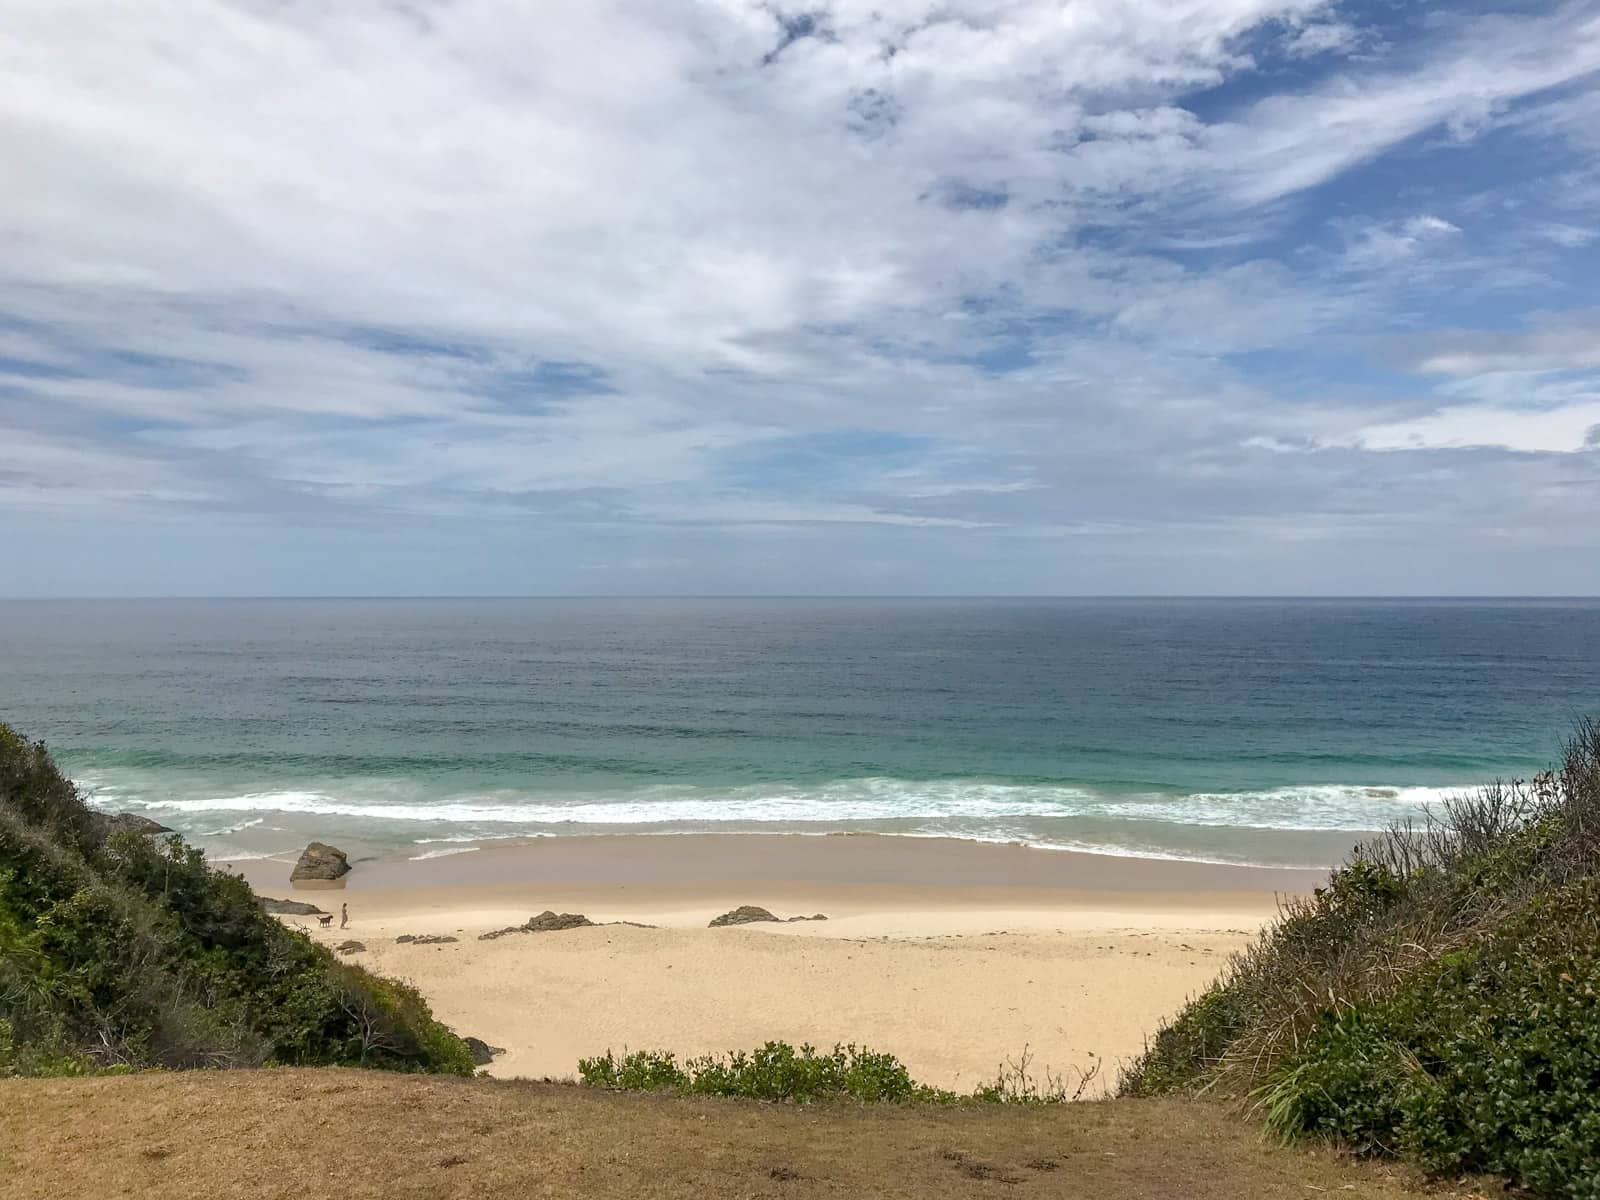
{"x":1488,"y":1062}
{"x":1349,"y":1084}
{"x":41,"y":796}
{"x":130,"y":951}
{"x":641,"y":1071}
{"x":1185,"y":1049}
{"x":778,"y":1071}
{"x":1439,"y":999}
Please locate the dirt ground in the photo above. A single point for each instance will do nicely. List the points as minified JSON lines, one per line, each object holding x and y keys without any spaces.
{"x":352,"y":1134}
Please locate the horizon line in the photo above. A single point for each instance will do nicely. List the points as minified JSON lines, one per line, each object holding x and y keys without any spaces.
{"x":488,"y":596}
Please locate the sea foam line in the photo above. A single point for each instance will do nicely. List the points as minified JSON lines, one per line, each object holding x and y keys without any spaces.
{"x":446,"y":852}
{"x":1311,"y":808}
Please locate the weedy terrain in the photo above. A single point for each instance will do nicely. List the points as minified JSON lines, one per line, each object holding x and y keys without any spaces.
{"x":242,"y":1135}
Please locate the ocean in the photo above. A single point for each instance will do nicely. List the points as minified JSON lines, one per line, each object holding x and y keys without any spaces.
{"x":1256,"y":731}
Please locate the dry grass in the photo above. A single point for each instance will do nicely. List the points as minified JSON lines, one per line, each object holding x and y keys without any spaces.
{"x":353,"y":1134}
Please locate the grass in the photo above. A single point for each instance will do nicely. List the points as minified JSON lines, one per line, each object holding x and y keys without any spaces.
{"x":238,"y":1135}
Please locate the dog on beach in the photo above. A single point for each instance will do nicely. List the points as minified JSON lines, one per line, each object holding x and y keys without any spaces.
{"x":326,"y":921}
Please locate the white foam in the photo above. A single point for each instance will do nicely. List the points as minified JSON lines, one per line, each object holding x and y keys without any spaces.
{"x":444,"y":853}
{"x":238,"y":827}
{"x":1328,"y":808}
{"x":1102,"y":849}
{"x":973,"y":804}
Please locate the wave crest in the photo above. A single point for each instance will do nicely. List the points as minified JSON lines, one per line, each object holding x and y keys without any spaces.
{"x":972,"y":803}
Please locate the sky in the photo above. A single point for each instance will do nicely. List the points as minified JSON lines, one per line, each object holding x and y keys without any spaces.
{"x":455,"y":297}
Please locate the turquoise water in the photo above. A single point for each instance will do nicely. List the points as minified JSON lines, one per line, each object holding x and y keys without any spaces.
{"x":1238,"y":730}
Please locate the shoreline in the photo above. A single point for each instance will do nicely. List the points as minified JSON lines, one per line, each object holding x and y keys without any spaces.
{"x":955,"y":956}
{"x":631,"y":859}
{"x":1290,"y":826}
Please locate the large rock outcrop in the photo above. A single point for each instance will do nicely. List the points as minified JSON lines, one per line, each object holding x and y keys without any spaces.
{"x":127,"y":822}
{"x":320,"y":861}
{"x":289,"y":908}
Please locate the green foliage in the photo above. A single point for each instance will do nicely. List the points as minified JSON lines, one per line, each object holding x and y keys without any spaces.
{"x":641,"y":1071}
{"x":1487,"y":1062}
{"x":777,"y":1071}
{"x":129,"y":951}
{"x":1188,"y":1046}
{"x":40,"y":795}
{"x":1438,"y":1000}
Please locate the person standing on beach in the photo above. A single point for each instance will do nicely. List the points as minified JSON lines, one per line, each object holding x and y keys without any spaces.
{"x":344,"y":915}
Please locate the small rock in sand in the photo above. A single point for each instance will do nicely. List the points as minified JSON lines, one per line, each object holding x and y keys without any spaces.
{"x":482,"y":1053}
{"x":351,"y":947}
{"x":545,"y":922}
{"x":745,"y":914}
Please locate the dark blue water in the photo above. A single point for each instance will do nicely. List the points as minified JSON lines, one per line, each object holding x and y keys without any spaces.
{"x":1259,"y":730}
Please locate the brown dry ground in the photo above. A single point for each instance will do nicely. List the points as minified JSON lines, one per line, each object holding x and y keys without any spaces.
{"x":353,"y":1134}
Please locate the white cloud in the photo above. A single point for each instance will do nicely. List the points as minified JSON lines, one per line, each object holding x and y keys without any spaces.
{"x":1288,"y":143}
{"x":1557,"y":430}
{"x":1386,"y":243}
{"x":1322,"y":37}
{"x":1568,"y":343}
{"x":295,"y":253}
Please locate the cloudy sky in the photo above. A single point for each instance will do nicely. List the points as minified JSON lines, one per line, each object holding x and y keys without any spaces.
{"x":626,"y":296}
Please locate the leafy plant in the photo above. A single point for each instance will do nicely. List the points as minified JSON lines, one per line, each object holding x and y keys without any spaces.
{"x":1439,"y":999}
{"x":778,"y":1071}
{"x":120,"y":951}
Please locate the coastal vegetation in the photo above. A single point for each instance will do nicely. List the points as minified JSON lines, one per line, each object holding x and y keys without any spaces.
{"x":122,"y":950}
{"x":1438,"y":1000}
{"x":777,"y":1071}
{"x":1436,"y":1005}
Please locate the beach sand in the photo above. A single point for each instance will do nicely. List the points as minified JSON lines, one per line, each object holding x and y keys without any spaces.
{"x":955,"y":956}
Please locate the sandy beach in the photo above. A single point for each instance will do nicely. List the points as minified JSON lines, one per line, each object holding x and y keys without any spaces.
{"x":956,"y":956}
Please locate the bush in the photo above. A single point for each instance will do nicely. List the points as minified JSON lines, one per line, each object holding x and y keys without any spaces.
{"x":777,"y":1071}
{"x":1189,"y":1047}
{"x":1439,"y":999}
{"x":1488,"y":1062}
{"x":129,"y":951}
